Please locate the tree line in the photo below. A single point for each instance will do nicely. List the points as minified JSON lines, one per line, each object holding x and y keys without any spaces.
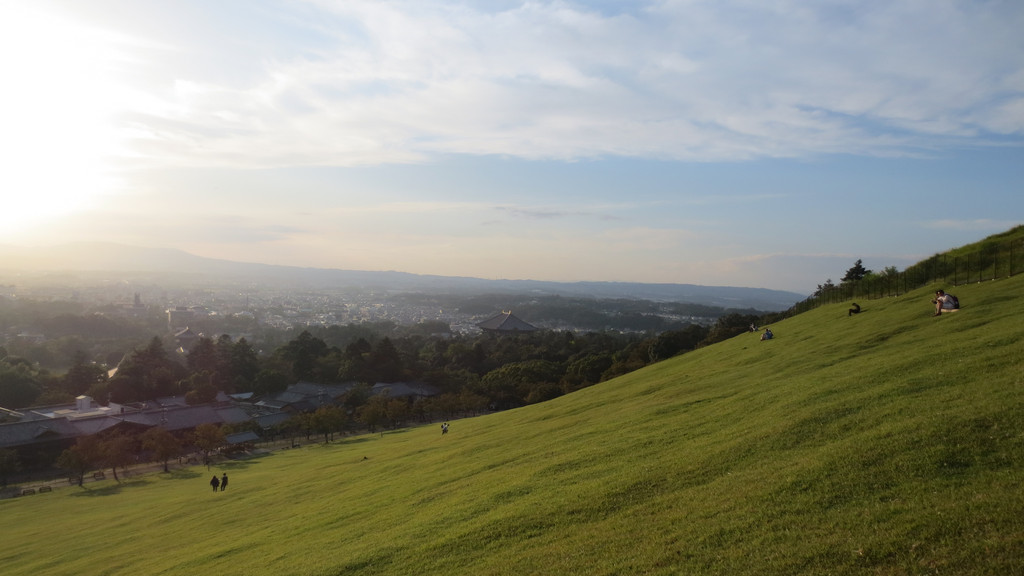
{"x":473,"y":374}
{"x":508,"y":370}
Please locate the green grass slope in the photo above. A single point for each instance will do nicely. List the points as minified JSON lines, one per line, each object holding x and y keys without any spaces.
{"x":886,"y":443}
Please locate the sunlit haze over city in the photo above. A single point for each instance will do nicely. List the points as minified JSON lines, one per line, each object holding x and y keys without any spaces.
{"x":733,"y":143}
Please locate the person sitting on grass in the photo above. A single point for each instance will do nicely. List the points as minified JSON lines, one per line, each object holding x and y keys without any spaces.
{"x":767,"y":334}
{"x":945,"y":303}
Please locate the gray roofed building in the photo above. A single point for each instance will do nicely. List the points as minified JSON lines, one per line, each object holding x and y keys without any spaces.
{"x":170,"y":401}
{"x":35,"y":431}
{"x":89,"y":426}
{"x":271,"y":404}
{"x":506,"y":323}
{"x":306,"y":396}
{"x":313,"y":389}
{"x":404,"y":389}
{"x":242,"y":437}
{"x":233,"y":414}
{"x":40,"y":433}
{"x":188,"y":417}
{"x":268,"y":421}
{"x":58,"y":427}
{"x":10,"y":415}
{"x":186,"y":338}
{"x":39,"y":442}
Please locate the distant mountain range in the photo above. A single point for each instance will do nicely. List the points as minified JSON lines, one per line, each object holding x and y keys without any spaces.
{"x":169,"y":265}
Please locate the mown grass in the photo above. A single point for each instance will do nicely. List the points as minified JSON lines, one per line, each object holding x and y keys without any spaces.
{"x":886,"y":443}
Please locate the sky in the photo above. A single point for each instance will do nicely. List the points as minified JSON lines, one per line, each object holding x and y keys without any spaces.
{"x":713,"y":142}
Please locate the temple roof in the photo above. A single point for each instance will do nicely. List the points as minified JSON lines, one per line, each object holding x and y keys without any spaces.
{"x":506,"y":322}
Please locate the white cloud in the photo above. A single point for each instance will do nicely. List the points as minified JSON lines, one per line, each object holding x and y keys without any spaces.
{"x":688,"y":80}
{"x":217,"y":97}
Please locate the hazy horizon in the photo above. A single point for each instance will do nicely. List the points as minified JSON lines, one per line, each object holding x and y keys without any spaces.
{"x":82,"y":259}
{"x":696,"y":142}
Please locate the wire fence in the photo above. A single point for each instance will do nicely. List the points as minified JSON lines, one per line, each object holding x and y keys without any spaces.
{"x":988,"y":261}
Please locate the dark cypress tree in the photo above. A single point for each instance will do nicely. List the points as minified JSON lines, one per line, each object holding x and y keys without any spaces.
{"x":856,"y":273}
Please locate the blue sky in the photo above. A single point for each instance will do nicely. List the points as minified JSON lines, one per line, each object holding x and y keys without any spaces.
{"x":732,"y":142}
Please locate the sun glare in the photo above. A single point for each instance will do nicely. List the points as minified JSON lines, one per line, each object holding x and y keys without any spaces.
{"x":56,"y":114}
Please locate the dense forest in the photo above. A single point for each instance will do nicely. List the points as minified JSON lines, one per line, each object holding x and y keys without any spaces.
{"x":507,"y":370}
{"x":83,"y":345}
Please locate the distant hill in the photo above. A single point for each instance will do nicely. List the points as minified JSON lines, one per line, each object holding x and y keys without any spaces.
{"x":177,"y":266}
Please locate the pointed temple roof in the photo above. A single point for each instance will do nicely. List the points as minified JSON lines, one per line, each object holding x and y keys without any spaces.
{"x":506,"y":322}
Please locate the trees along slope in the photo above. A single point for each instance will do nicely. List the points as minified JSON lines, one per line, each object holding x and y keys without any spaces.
{"x":889,"y":442}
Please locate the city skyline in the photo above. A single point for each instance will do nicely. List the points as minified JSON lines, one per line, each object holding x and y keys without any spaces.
{"x":710,"y":143}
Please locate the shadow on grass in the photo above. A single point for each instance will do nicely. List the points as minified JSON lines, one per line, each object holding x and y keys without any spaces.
{"x":379,"y":434}
{"x":232,"y":464}
{"x":250,"y":456}
{"x":108,"y":490}
{"x":359,"y":440}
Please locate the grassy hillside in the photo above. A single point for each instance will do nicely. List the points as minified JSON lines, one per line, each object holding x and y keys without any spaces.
{"x":886,"y":443}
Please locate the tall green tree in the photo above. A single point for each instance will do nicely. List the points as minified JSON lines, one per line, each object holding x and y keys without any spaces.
{"x":856,"y":273}
{"x":586,"y":369}
{"x":672,"y":342}
{"x":76,"y":462}
{"x":9,"y":464}
{"x":355,"y":362}
{"x":374,"y":413}
{"x":203,"y":356}
{"x":162,"y":444}
{"x":824,"y":289}
{"x":385,"y":362}
{"x":117,"y":451}
{"x":82,"y":375}
{"x":19,"y":383}
{"x":471,"y":402}
{"x":224,"y":372}
{"x":200,"y":389}
{"x":269,"y":382}
{"x":527,"y":381}
{"x":327,"y":420}
{"x":207,"y":438}
{"x":398,"y":411}
{"x":245,"y":365}
{"x":146,"y":374}
{"x":301,"y":355}
{"x":85,"y":455}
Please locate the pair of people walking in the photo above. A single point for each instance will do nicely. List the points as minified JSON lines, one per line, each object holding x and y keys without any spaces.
{"x":219,"y":484}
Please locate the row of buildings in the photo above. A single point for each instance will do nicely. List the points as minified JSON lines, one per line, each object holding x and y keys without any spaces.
{"x":40,"y":434}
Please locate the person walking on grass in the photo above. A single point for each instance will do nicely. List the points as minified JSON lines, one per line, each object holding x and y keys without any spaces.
{"x":214,"y":482}
{"x":224,"y":482}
